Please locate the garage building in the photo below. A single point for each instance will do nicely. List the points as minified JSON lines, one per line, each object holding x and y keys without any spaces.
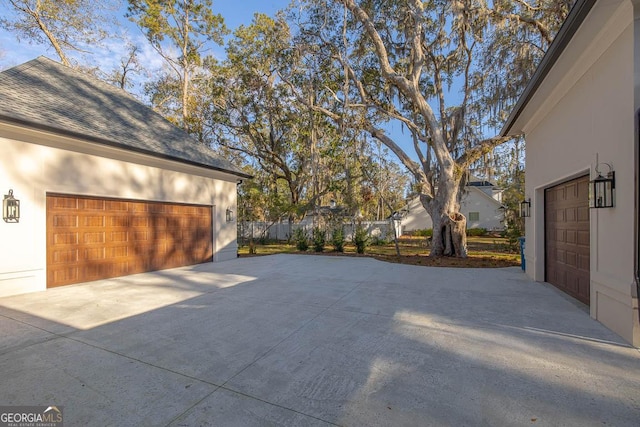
{"x":106,"y":186}
{"x":580,"y":118}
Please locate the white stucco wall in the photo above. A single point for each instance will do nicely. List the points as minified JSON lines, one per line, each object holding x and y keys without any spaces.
{"x":36,"y":163}
{"x":475,"y":200}
{"x":585,"y":109}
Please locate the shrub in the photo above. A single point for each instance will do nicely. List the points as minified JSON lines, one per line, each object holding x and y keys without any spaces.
{"x":300,"y":237}
{"x":378,"y":241}
{"x":512,"y":233}
{"x":319,"y":239}
{"x":427,"y":232}
{"x":476,"y":232}
{"x":264,"y":240}
{"x":360,"y":239}
{"x":337,"y":239}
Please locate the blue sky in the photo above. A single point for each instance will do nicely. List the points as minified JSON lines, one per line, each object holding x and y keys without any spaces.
{"x":107,"y":57}
{"x":235,"y":13}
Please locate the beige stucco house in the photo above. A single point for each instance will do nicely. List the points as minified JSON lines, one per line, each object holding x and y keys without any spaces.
{"x":481,"y":204}
{"x":106,"y":186}
{"x":579,"y":112}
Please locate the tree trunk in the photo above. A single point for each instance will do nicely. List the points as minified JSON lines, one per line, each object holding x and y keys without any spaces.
{"x":458,"y":232}
{"x":449,"y":236}
{"x":449,"y":225}
{"x":52,"y":38}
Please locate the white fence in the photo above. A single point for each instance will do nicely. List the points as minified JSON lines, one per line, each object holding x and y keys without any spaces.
{"x":283,"y":231}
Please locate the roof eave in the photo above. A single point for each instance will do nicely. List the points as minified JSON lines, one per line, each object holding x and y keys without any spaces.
{"x":78,"y":135}
{"x":568,"y":29}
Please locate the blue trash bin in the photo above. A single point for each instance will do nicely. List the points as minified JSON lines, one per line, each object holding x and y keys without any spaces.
{"x":522,"y":261}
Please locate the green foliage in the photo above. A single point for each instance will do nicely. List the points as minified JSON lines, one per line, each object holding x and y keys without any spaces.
{"x":68,"y":25}
{"x":185,"y":23}
{"x":512,"y":234}
{"x":337,"y":239}
{"x":511,"y":198}
{"x":361,"y":239}
{"x":426,"y":232}
{"x":253,"y":112}
{"x":301,"y":240}
{"x":180,"y":31}
{"x":378,"y":241}
{"x":319,"y":239}
{"x":264,"y":240}
{"x":476,"y":232}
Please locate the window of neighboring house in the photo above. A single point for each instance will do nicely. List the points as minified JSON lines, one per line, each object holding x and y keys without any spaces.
{"x":474,"y":216}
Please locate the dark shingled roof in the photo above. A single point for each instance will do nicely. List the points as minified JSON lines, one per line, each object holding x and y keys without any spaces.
{"x":46,"y":95}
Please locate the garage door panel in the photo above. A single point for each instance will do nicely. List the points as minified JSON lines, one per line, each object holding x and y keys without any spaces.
{"x":118,"y":221}
{"x":93,"y":221}
{"x":62,"y":275}
{"x":567,"y":253}
{"x":62,"y":203}
{"x":584,"y":238}
{"x":583,"y":213}
{"x":140,"y":236}
{"x":140,"y":222}
{"x":115,"y":205}
{"x":118,"y":252}
{"x":94,"y":237}
{"x":572,"y":284}
{"x":92,"y":204}
{"x":583,"y":262}
{"x":65,"y":256}
{"x":66,"y":221}
{"x":91,"y":238}
{"x":70,"y":238}
{"x":157,"y":208}
{"x":94,"y":254}
{"x":117,"y":236}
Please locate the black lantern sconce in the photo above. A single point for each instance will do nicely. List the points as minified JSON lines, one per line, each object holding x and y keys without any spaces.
{"x":229,"y":215}
{"x":601,"y":188}
{"x":525,"y":208}
{"x":10,"y":208}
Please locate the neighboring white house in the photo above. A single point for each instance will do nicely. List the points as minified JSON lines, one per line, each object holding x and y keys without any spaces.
{"x":107,"y":187}
{"x":481,"y":205}
{"x":578,"y":114}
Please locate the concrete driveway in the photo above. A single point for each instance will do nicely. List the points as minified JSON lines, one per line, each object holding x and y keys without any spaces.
{"x":311,"y":340}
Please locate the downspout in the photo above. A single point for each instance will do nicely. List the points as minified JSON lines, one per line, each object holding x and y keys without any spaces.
{"x":636,"y":65}
{"x":637,"y":207}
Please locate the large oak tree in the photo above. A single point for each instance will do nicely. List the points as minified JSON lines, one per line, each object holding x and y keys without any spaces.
{"x":420,"y":64}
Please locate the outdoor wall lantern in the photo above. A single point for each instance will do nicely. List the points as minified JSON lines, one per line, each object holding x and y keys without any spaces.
{"x":525,"y":208}
{"x":10,"y":208}
{"x":601,"y":188}
{"x":229,"y":215}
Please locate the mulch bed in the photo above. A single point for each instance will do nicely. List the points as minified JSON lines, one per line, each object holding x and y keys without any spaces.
{"x":472,"y":261}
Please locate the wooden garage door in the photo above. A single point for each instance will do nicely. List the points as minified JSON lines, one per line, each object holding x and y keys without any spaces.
{"x":567,"y":237}
{"x":95,"y":238}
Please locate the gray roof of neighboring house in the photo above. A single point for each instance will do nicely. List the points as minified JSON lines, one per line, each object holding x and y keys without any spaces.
{"x":576,"y":17}
{"x":46,"y":95}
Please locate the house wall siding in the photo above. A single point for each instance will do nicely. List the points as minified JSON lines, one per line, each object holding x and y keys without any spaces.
{"x":491,"y":216}
{"x":33,"y":164}
{"x":592,"y":122}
